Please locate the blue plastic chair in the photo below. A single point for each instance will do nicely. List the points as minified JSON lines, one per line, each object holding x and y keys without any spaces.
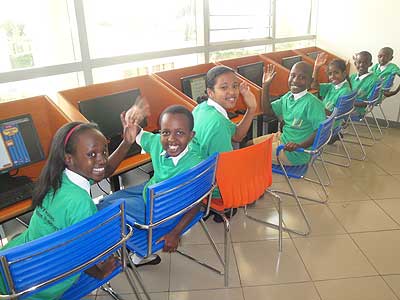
{"x":323,"y":135}
{"x":166,"y":204}
{"x":39,"y":264}
{"x":387,"y":85}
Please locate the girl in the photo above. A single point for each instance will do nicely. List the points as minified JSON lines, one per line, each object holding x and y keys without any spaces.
{"x":338,"y":85}
{"x":78,"y":156}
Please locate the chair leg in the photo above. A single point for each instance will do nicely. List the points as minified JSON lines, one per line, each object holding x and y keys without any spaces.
{"x":137,"y":277}
{"x":109,"y":290}
{"x":377,"y":124}
{"x":384,"y":115}
{"x":346,"y":155}
{"x":359,"y":142}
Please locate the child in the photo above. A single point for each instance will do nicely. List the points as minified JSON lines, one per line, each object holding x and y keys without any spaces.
{"x":301,"y":112}
{"x":384,"y":68}
{"x":362,"y":81}
{"x":338,"y":82}
{"x":214,"y":130}
{"x":171,"y":154}
{"x":78,"y":156}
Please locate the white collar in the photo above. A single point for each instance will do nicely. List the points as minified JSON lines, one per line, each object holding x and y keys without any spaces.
{"x":339,"y":85}
{"x":383,"y":67}
{"x":176,"y":159}
{"x":218,"y":107}
{"x":363,"y":76}
{"x":299,"y":95}
{"x":77,"y":179}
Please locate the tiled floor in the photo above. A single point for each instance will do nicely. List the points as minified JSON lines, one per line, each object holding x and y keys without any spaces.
{"x":352,"y":253}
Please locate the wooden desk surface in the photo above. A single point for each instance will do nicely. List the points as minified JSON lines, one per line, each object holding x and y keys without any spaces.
{"x":15,"y":210}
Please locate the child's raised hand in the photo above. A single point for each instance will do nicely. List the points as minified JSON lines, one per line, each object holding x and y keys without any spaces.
{"x":269,"y":74}
{"x":321,"y":59}
{"x":248,"y":96}
{"x":138,"y":111}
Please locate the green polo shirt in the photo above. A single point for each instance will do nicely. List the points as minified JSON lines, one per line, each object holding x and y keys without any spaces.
{"x":330,"y":94}
{"x":69,"y":205}
{"x":302,"y":117}
{"x":364,"y":88}
{"x":164,"y":166}
{"x":390,"y":68}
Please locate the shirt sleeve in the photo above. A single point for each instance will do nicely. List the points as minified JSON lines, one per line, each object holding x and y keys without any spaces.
{"x":316,"y":113}
{"x":277,"y":106}
{"x":323,"y":89}
{"x":147,"y":140}
{"x":220,"y":140}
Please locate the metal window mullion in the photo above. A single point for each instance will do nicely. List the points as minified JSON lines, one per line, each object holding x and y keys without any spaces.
{"x":273,"y":25}
{"x":206,"y":19}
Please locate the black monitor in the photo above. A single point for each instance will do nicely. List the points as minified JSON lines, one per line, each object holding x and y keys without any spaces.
{"x":313,"y":54}
{"x":106,"y":111}
{"x":194,"y":86}
{"x":253,"y":72}
{"x":19,"y":143}
{"x":288,"y":62}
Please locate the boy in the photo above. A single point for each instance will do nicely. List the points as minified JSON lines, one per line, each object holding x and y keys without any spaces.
{"x":301,"y":112}
{"x":171,"y":154}
{"x":384,"y":68}
{"x":363,"y":81}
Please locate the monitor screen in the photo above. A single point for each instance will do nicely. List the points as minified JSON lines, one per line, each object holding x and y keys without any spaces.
{"x":194,"y":86}
{"x":106,"y":110}
{"x":313,"y":55}
{"x":19,"y":143}
{"x":253,"y":72}
{"x":288,"y":62}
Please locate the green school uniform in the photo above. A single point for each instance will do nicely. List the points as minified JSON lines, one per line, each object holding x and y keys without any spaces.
{"x":364,"y":88}
{"x":302,"y":117}
{"x":330,"y":94}
{"x":390,"y":68}
{"x":214,"y":133}
{"x":163,"y":166}
{"x":70,"y":205}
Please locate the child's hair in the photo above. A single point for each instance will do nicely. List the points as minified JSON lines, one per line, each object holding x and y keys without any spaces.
{"x":341,"y":65}
{"x":366,"y":54}
{"x":179,"y":109}
{"x":388,"y":50}
{"x":306,"y":67}
{"x":214,"y":72}
{"x":64,"y":141}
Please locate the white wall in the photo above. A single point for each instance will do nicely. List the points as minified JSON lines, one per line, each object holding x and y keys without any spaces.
{"x":345,"y":27}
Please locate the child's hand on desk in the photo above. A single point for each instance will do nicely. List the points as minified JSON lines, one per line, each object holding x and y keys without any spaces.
{"x":269,"y":74}
{"x":171,"y":242}
{"x":248,"y":96}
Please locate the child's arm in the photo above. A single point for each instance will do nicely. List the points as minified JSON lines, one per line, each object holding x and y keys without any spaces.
{"x":290,"y":146}
{"x":265,"y":100}
{"x":319,"y":62}
{"x":171,"y":239}
{"x":392,"y":93}
{"x":250,"y":101}
{"x":103,"y":269}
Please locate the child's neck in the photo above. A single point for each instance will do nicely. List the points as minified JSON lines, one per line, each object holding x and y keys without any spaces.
{"x":361,"y":74}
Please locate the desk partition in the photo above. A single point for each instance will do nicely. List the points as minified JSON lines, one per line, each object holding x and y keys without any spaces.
{"x":47,"y":118}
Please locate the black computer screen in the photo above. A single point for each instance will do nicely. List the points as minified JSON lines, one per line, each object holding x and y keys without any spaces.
{"x":194,"y":86}
{"x":106,"y":110}
{"x":253,"y":72}
{"x":313,"y":55}
{"x":288,"y":62}
{"x":19,"y":143}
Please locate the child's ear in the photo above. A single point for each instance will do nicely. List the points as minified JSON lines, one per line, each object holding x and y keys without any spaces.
{"x":192,"y":134}
{"x":68,"y":159}
{"x":210,"y":93}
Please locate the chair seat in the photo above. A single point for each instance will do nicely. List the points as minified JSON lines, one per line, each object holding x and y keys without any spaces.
{"x":292,"y":171}
{"x":356,"y":117}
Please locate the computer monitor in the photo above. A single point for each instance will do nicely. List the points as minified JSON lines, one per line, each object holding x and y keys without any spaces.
{"x":106,"y":111}
{"x":288,"y":62}
{"x":313,"y":54}
{"x":253,"y":72}
{"x":194,"y":86}
{"x":19,"y":143}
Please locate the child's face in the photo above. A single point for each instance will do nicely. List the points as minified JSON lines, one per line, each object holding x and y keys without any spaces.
{"x":90,"y":156}
{"x":226,"y":90}
{"x":362,"y":63}
{"x":175,"y":133}
{"x":384,"y":57}
{"x":298,"y":80}
{"x":335,"y":75}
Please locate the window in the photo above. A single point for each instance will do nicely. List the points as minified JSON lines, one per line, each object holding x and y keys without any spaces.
{"x":43,"y":38}
{"x":235,"y":20}
{"x":294,"y":45}
{"x":234,"y":53}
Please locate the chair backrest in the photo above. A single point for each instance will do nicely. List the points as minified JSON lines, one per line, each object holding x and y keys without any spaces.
{"x":388,"y":83}
{"x":324,"y":132}
{"x":171,"y":196}
{"x":34,"y":266}
{"x":345,"y":105}
{"x":243,"y":175}
{"x":375,"y":95}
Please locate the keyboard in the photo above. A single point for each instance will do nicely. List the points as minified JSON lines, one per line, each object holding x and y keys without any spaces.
{"x":16,"y":194}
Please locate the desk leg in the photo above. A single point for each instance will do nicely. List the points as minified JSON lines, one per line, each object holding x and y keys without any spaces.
{"x":114,"y":183}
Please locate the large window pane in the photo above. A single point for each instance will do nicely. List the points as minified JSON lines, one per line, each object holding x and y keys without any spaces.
{"x":234,"y":20}
{"x":122,"y":71}
{"x":124,"y":26}
{"x":49,"y":86}
{"x":294,"y":45}
{"x":234,"y":53}
{"x":293,"y":18}
{"x":37,"y":33}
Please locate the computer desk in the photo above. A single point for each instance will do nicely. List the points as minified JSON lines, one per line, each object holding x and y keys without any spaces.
{"x":47,"y":118}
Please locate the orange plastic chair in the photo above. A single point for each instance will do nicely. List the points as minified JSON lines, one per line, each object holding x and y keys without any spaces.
{"x":243,"y":176}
